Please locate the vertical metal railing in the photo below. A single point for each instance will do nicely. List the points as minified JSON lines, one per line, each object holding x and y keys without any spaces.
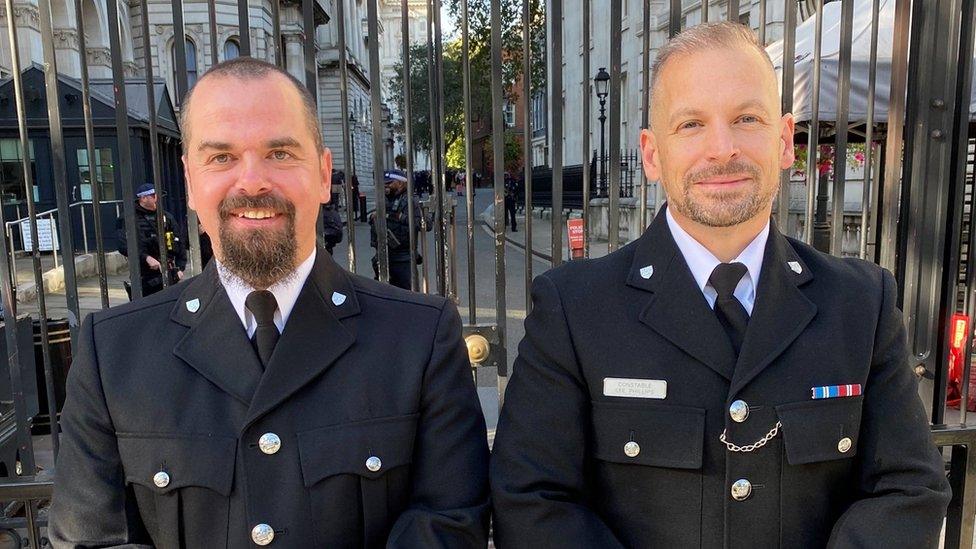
{"x":154,"y":150}
{"x":789,"y":49}
{"x":447,"y":230}
{"x":182,"y":87}
{"x":376,"y":118}
{"x":585,"y":153}
{"x":645,"y":107}
{"x":212,"y":25}
{"x":468,"y":159}
{"x":867,"y":191}
{"x":813,"y":135}
{"x":244,"y":26}
{"x":349,"y":167}
{"x":895,"y":141}
{"x":436,"y":158}
{"x":528,"y":131}
{"x":93,"y":165}
{"x":557,"y":108}
{"x":498,"y":158}
{"x":840,"y":127}
{"x":615,"y":117}
{"x":408,"y":143}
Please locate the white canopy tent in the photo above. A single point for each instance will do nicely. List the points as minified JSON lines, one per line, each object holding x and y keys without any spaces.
{"x":830,"y":63}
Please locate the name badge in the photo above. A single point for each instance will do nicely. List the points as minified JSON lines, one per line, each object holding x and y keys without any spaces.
{"x":635,"y":388}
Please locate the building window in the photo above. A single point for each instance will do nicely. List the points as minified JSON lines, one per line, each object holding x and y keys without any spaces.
{"x":191,"y":63}
{"x":539,"y":114}
{"x":624,"y":100}
{"x":104,"y":173}
{"x":509,"y":114}
{"x":12,"y":172}
{"x":232,"y":50}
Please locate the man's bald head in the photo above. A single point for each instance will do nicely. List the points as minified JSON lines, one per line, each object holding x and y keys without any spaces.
{"x":721,"y":35}
{"x":249,"y":68}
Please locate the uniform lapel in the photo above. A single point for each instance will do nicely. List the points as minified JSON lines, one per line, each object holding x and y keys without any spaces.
{"x":677,"y":309}
{"x":781,"y":311}
{"x":313,"y":338}
{"x":216,"y":344}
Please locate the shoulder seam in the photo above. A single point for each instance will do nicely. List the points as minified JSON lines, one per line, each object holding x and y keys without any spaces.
{"x":436,"y":307}
{"x":109,"y":314}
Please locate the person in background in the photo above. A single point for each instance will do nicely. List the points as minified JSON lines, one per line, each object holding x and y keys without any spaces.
{"x":397,"y":229}
{"x":152,"y":271}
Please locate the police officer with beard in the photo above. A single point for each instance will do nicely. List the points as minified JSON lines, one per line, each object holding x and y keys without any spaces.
{"x":151,"y":269}
{"x":397,"y":229}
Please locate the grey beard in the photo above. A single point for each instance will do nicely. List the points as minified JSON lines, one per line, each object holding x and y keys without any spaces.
{"x":730,"y":212}
{"x":259,"y":258}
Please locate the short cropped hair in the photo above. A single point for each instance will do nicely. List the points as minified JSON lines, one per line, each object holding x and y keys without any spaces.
{"x":249,"y":68}
{"x":707,"y":36}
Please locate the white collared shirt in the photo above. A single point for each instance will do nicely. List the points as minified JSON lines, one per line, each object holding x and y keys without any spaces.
{"x":285,"y":292}
{"x":702,"y":262}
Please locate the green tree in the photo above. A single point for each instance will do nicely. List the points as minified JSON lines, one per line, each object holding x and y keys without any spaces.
{"x":479,"y":25}
{"x":480,"y":70}
{"x":420,"y":97}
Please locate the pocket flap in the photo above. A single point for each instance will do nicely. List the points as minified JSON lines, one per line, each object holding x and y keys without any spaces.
{"x":186,"y":461}
{"x":367,"y":448}
{"x":665,"y":435}
{"x":820,"y":430}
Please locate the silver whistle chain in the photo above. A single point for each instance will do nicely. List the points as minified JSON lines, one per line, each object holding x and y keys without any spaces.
{"x":755,"y":445}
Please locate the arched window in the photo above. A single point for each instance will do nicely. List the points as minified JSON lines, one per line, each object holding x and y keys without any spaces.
{"x":191,"y":63}
{"x":232,"y":49}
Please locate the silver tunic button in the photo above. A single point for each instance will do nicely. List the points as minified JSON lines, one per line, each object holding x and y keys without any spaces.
{"x":631,"y":449}
{"x":844,"y":445}
{"x":161,"y":479}
{"x":269,"y":443}
{"x":373,"y":463}
{"x":262,"y":534}
{"x":741,"y":489}
{"x":739,"y":411}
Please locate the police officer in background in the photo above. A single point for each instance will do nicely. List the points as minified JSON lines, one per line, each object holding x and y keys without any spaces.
{"x":511,"y":197}
{"x":715,"y":383}
{"x":397,"y":229}
{"x":151,"y":269}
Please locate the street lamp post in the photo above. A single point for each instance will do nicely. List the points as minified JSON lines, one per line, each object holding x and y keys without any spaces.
{"x":601,"y":83}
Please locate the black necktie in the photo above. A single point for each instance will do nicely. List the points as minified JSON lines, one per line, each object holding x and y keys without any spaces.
{"x":730,"y":312}
{"x":262,"y":305}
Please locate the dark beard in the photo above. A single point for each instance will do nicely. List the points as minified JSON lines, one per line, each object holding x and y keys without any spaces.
{"x":260,"y":258}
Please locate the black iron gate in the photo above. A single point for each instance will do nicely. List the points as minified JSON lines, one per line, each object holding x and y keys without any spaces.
{"x":909,"y":118}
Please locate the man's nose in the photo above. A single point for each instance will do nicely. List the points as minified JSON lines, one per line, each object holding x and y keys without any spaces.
{"x":721,"y":144}
{"x":253,"y":177}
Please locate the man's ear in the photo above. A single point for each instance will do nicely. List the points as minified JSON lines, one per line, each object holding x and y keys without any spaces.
{"x":788,"y":154}
{"x":649,"y":155}
{"x":326,"y":187}
{"x":189,"y":184}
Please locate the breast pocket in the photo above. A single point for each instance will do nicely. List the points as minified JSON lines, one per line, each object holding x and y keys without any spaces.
{"x":820,"y":438}
{"x":648,"y":470}
{"x":182,"y":485}
{"x":820,"y":430}
{"x":361,"y":467}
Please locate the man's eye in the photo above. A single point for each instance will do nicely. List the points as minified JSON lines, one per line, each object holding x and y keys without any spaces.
{"x":221,"y":159}
{"x":749,"y":119}
{"x":689,"y":125}
{"x":281,"y":155}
